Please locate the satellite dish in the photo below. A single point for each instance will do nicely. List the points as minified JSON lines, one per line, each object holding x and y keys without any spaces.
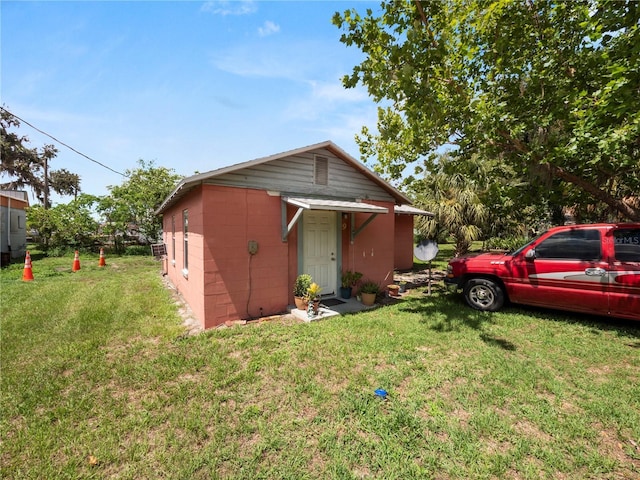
{"x":426,"y":250}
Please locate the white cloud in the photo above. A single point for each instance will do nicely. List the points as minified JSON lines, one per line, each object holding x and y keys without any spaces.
{"x":269,"y":28}
{"x":326,"y":99}
{"x":336,"y":92}
{"x":225,"y":7}
{"x":260,"y":61}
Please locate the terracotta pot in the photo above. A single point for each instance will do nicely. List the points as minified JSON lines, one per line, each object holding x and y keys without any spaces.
{"x":301,"y":303}
{"x":393,"y":290}
{"x":368,"y":298}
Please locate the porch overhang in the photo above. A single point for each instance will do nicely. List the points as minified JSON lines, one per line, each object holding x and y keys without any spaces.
{"x":331,"y":205}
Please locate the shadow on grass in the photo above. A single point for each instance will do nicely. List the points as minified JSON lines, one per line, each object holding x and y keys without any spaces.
{"x":445,"y":312}
{"x":497,"y":342}
{"x":597,"y":323}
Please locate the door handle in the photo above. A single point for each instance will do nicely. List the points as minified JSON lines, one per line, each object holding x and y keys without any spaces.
{"x":595,"y":272}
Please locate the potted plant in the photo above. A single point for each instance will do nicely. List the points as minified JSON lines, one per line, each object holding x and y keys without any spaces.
{"x":403,"y":286}
{"x":394,"y":290}
{"x":349,"y":280}
{"x":303,"y":282}
{"x":313,"y":297}
{"x":369,"y":290}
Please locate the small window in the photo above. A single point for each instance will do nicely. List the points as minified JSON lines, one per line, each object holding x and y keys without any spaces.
{"x":173,"y":239}
{"x":579,"y":244}
{"x":321,"y":170}
{"x":627,"y":245}
{"x":185,"y":233}
{"x":15,"y":220}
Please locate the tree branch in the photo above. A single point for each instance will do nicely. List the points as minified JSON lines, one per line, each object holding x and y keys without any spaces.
{"x":620,"y":205}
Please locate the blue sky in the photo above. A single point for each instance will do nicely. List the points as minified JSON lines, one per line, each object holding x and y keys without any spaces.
{"x":193,"y":86}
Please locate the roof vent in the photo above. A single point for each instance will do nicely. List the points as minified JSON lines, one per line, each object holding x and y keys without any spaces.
{"x":320,"y":170}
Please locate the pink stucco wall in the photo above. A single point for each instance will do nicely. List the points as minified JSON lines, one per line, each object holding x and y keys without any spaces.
{"x":191,"y":283}
{"x":372,"y":252}
{"x":403,"y":242}
{"x":238,"y":284}
{"x":225,"y":282}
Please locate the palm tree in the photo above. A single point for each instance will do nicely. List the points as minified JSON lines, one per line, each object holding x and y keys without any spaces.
{"x":459,"y":212}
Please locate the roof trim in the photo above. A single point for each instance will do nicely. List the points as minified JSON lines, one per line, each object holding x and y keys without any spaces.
{"x":188,"y":183}
{"x":409,"y":210}
{"x":334,"y":205}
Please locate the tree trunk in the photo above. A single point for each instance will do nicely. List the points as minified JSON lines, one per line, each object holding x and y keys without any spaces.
{"x":619,"y":205}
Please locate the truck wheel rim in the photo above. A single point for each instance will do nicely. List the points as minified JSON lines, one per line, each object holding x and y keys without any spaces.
{"x":481,"y":296}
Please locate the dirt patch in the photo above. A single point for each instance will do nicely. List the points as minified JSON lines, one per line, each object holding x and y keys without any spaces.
{"x":418,"y":278}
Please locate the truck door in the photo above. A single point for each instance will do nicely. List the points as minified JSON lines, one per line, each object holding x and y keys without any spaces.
{"x":566,"y":270}
{"x":624,"y":272}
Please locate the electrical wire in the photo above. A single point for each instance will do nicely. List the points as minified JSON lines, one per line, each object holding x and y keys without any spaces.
{"x":62,"y":143}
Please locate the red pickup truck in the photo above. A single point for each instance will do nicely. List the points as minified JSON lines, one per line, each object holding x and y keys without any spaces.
{"x":580,"y":268}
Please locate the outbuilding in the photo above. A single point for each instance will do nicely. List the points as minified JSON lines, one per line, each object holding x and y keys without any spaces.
{"x":236,"y":238}
{"x":13,"y":225}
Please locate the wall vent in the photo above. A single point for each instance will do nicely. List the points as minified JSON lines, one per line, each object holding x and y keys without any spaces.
{"x":321,"y":170}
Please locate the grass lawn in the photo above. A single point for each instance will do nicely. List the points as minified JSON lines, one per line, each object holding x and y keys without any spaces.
{"x":98,"y":381}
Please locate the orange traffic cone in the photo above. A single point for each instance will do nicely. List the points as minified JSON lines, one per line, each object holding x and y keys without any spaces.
{"x":27,"y":273}
{"x":76,"y":262}
{"x":101,"y":262}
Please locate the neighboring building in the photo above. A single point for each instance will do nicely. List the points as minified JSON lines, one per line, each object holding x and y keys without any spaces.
{"x":13,"y":225}
{"x":238,"y":237}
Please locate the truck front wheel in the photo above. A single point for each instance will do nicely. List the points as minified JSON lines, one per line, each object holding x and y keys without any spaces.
{"x":483,"y":294}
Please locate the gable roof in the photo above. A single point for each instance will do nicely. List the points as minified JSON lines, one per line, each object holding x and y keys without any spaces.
{"x":19,"y":197}
{"x":189,"y":183}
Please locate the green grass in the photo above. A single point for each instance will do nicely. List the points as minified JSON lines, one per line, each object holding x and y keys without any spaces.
{"x":98,"y":381}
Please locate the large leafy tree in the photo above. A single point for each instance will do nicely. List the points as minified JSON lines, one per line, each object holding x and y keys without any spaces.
{"x":25,"y":166}
{"x":21,"y":164}
{"x":65,"y":225}
{"x":134,"y":202}
{"x":549,"y":89}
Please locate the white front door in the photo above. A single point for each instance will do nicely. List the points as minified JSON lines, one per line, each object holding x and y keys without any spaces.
{"x":320,"y":248}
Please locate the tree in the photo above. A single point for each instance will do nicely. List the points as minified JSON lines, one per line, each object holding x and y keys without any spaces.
{"x":456,"y":203}
{"x":65,"y":225}
{"x":550,"y":89}
{"x":29,"y":167}
{"x":136,"y":200}
{"x":20,"y":163}
{"x":64,"y":182}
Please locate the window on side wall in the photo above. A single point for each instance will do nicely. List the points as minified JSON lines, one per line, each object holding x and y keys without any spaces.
{"x":173,"y":239}
{"x":185,"y":235}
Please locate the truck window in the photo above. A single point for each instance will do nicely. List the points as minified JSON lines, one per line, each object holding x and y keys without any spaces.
{"x":576,"y":244}
{"x":627,"y":245}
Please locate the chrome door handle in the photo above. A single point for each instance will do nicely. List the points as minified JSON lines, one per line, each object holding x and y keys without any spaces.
{"x":595,"y":272}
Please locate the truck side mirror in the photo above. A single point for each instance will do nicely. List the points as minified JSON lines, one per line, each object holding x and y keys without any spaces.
{"x":530,"y":255}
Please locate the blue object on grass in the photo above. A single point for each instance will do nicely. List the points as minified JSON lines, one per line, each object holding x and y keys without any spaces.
{"x":381,"y":393}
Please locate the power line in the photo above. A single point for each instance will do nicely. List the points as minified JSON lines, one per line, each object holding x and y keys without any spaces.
{"x":62,"y":143}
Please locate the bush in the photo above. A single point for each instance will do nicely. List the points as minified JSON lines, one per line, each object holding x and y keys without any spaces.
{"x":58,"y":251}
{"x":140,"y":250}
{"x":369,"y":286}
{"x":303,"y":282}
{"x":509,"y":244}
